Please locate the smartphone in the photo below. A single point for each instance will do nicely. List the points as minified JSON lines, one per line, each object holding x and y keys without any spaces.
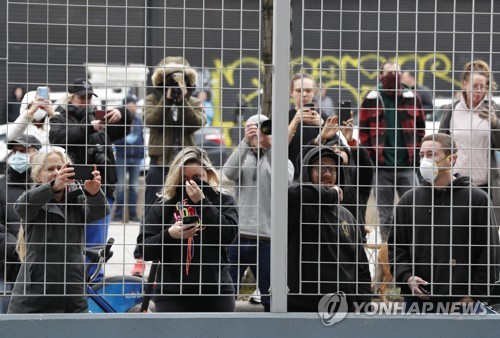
{"x":190,"y":220}
{"x":425,"y":288}
{"x":43,"y":93}
{"x":101,"y":114}
{"x":344,"y":112}
{"x":83,"y":172}
{"x":308,"y":107}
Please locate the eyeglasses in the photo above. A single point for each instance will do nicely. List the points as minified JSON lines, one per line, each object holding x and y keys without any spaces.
{"x":322,"y":169}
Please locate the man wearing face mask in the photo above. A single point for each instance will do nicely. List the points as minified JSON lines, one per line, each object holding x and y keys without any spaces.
{"x":33,"y":121}
{"x":444,"y":247}
{"x":391,"y":127}
{"x":13,"y":185}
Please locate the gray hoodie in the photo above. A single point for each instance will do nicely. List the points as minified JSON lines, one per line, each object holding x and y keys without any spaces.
{"x":252,"y":175}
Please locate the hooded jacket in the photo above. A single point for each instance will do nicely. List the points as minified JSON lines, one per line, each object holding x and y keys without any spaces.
{"x":54,"y":262}
{"x":73,"y":131}
{"x":208,"y":272}
{"x":338,"y":258}
{"x":449,"y":238}
{"x":171,"y":125}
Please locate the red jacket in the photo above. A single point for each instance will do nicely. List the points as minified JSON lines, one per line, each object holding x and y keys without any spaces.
{"x":372,"y":124}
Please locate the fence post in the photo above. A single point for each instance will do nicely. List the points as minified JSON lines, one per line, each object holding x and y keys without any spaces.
{"x":279,"y":185}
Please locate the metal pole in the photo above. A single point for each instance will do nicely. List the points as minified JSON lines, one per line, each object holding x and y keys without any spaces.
{"x":279,"y":185}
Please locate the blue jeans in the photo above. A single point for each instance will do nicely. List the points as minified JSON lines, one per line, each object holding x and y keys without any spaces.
{"x":388,"y":181}
{"x":5,"y":299}
{"x":132,"y":167}
{"x":96,"y":234}
{"x":246,"y":255}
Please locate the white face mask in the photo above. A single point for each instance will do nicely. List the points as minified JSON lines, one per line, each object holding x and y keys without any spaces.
{"x":429,"y":169}
{"x":39,"y":114}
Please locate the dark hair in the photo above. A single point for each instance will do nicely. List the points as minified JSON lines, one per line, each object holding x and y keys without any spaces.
{"x":448,"y":144}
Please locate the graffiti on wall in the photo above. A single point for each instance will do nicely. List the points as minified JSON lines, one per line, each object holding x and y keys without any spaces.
{"x":353,"y":75}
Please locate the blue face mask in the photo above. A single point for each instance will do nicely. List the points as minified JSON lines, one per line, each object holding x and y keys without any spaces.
{"x":19,"y":162}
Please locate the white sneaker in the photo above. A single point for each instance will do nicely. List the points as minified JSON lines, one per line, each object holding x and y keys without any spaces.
{"x":255,"y":297}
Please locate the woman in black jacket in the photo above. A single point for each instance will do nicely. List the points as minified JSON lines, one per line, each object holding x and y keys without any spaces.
{"x":194,"y":253}
{"x":50,"y":246}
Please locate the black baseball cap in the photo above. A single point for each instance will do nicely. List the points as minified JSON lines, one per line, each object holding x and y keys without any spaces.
{"x":26,"y":141}
{"x":81,"y":87}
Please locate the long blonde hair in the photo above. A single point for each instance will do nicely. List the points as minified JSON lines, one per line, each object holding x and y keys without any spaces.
{"x":39,"y":162}
{"x":188,"y":155}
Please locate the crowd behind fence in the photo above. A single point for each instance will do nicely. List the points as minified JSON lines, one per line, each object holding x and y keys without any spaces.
{"x":387,"y":204}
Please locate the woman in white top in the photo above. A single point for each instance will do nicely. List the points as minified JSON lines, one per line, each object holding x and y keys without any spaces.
{"x":473,"y":122}
{"x":33,"y":121}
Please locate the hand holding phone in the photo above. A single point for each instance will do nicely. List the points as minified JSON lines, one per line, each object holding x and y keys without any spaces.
{"x":100,"y":114}
{"x":190,"y":220}
{"x":43,"y":93}
{"x":344,"y":112}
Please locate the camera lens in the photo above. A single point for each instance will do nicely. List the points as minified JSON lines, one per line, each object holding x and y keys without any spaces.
{"x":266,"y":127}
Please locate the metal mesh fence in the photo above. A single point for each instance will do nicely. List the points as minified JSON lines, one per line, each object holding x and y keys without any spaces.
{"x":169,"y":100}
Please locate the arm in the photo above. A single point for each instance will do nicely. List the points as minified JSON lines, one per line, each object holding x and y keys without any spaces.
{"x":120,"y":129}
{"x":291,"y":172}
{"x":485,"y":244}
{"x":233,"y":165}
{"x":364,"y":289}
{"x":193,"y":115}
{"x":399,"y":243}
{"x":97,"y":207}
{"x":154,"y":234}
{"x":495,"y":131}
{"x":8,"y":242}
{"x":221,"y":221}
{"x":29,"y":203}
{"x":18,"y":127}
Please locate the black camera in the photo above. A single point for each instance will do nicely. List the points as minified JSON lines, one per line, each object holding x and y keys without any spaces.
{"x":97,"y":155}
{"x":172,"y":81}
{"x":266,"y":127}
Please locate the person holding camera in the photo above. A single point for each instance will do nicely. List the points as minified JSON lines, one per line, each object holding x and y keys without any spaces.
{"x":172,"y":116}
{"x":249,"y":166}
{"x":472,"y":121}
{"x":87,"y":135}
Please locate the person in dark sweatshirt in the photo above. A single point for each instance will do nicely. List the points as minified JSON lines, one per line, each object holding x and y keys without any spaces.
{"x":325,"y":251}
{"x":189,"y":228}
{"x":444,"y":248}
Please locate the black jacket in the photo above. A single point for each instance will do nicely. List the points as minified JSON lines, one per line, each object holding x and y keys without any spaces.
{"x":72,"y":130}
{"x":209,"y":269}
{"x":12,"y":185}
{"x":54,"y":262}
{"x":314,"y":213}
{"x":446,"y":237}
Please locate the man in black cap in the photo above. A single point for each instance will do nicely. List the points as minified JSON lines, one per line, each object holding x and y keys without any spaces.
{"x":88,"y":135}
{"x":12,"y":185}
{"x":325,"y":250}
